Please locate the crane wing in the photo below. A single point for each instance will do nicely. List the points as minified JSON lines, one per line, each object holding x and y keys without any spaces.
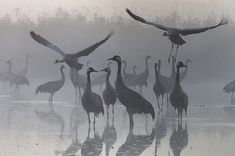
{"x":46,"y":43}
{"x":90,"y":49}
{"x":199,"y":30}
{"x":140,"y":19}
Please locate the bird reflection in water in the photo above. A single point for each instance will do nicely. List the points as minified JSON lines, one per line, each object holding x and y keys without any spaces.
{"x":52,"y":118}
{"x":92,"y":146}
{"x":160,"y":131}
{"x":109,"y":136}
{"x":135,"y":144}
{"x":75,"y":145}
{"x":179,"y":139}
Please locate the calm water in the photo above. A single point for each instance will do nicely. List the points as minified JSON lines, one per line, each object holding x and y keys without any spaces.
{"x":28,"y":126}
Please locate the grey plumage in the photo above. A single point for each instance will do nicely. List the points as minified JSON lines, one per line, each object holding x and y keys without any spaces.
{"x":69,"y":59}
{"x":109,"y":95}
{"x":174,"y":34}
{"x":25,"y":71}
{"x":178,"y":98}
{"x":52,"y":86}
{"x":134,"y":102}
{"x":91,"y":102}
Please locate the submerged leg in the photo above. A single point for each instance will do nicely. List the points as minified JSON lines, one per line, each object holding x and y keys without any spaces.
{"x":107,"y":109}
{"x":113,"y":113}
{"x":158,"y":104}
{"x":162,"y":102}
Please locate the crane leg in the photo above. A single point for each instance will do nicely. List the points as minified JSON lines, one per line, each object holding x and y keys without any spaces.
{"x":107,"y":109}
{"x":177,"y":48}
{"x":158,"y":105}
{"x":113,"y":113}
{"x":131,"y":120}
{"x":172,"y":46}
{"x":94,"y":120}
{"x":162,"y":102}
{"x":89,"y":119}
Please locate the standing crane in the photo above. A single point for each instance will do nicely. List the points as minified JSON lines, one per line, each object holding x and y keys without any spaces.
{"x":178,"y":98}
{"x":134,"y":102}
{"x":91,"y":102}
{"x":109,"y":94}
{"x":52,"y":86}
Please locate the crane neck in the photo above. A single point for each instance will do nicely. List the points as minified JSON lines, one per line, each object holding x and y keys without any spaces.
{"x":119,"y":74}
{"x":173,"y":68}
{"x":178,"y":76}
{"x":88,"y":84}
{"x":146,"y":65}
{"x":62,"y":74}
{"x":156,"y":73}
{"x":107,"y":76}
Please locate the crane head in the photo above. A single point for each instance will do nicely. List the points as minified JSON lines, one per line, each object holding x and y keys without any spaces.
{"x":107,"y":69}
{"x":90,"y":70}
{"x":116,"y":58}
{"x":181,"y":64}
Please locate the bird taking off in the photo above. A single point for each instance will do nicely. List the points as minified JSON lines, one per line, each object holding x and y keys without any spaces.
{"x":174,"y":34}
{"x":70,"y":59}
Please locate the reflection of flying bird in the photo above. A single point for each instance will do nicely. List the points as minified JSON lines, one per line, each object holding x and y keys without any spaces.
{"x":134,"y":102}
{"x":24,"y":71}
{"x":91,"y":102}
{"x":174,"y":34}
{"x":70,"y":59}
{"x":179,"y":139}
{"x":52,"y":86}
{"x":109,"y":94}
{"x":135,"y":145}
{"x":109,"y":137}
{"x":178,"y":98}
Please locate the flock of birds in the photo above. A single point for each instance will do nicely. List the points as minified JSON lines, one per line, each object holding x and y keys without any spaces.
{"x":128,"y":87}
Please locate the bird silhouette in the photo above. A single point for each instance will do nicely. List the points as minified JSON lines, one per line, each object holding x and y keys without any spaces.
{"x":109,"y":95}
{"x":158,"y":87}
{"x":178,"y":98}
{"x":92,"y":146}
{"x":134,"y":102}
{"x":179,"y":139}
{"x":16,"y":79}
{"x":91,"y":102}
{"x":174,"y":34}
{"x":109,"y":137}
{"x":142,"y":78}
{"x":135,"y":145}
{"x":25,"y":71}
{"x":230,"y":88}
{"x":69,"y":59}
{"x":52,"y":86}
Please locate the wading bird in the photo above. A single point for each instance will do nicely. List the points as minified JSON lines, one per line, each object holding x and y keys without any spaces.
{"x":69,"y":59}
{"x":142,"y":78}
{"x":25,"y":71}
{"x":158,"y":87}
{"x":52,"y":86}
{"x":16,"y":79}
{"x":178,"y":98}
{"x":174,"y":34}
{"x":230,"y":88}
{"x":91,"y":102}
{"x":109,"y":94}
{"x":134,"y":102}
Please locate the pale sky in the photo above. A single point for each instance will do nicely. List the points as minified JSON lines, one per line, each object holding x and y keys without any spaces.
{"x":196,"y":8}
